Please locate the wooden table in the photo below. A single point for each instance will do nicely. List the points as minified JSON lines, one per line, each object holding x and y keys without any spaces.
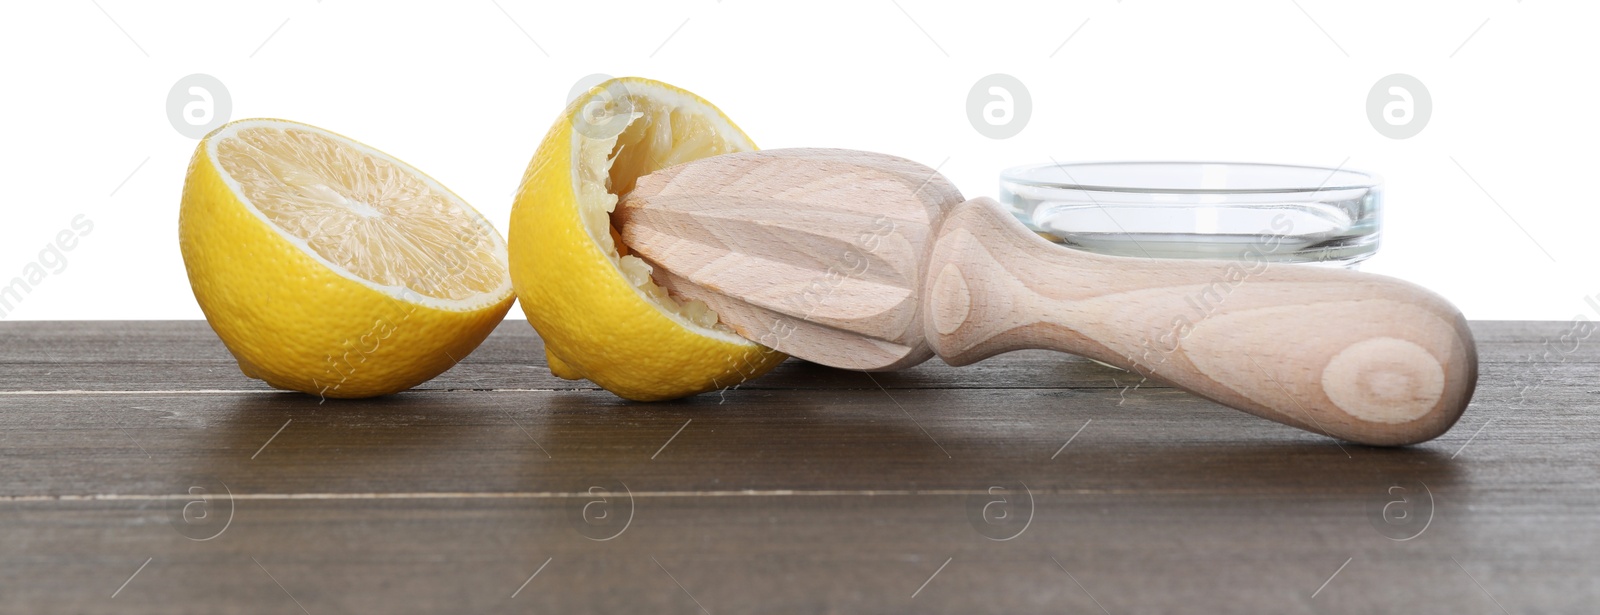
{"x":140,"y":472}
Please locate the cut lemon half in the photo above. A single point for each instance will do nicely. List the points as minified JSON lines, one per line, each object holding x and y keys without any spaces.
{"x":329,"y":267}
{"x":600,"y":315}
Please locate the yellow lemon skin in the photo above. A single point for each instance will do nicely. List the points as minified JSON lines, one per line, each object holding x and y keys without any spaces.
{"x":594,"y":323}
{"x":295,"y":323}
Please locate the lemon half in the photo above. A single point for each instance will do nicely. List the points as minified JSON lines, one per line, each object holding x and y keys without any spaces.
{"x":329,"y":267}
{"x":600,"y":315}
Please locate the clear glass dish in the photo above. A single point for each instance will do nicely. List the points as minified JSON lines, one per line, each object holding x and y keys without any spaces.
{"x":1292,"y":214}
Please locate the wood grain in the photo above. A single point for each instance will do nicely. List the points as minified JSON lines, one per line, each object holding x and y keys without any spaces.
{"x":867,"y":261}
{"x":814,"y":492}
{"x":815,"y":252}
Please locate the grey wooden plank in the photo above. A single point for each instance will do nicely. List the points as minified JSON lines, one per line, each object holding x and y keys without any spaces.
{"x":185,"y":355}
{"x":542,"y":441}
{"x":1126,"y":552}
{"x":180,"y":355}
{"x":837,"y":498}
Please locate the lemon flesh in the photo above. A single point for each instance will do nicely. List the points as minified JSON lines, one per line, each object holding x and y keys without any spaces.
{"x":595,"y":306}
{"x":331,"y":268}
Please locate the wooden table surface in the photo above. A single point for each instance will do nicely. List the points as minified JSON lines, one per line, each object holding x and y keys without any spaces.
{"x":140,"y":472}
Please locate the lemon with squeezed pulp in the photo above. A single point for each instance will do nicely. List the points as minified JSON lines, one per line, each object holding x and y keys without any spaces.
{"x":600,"y":315}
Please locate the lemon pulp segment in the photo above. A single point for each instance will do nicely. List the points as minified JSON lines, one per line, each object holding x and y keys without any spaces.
{"x":665,"y":128}
{"x":363,"y":212}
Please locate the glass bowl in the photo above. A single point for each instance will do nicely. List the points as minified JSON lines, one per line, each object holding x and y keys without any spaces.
{"x":1216,"y":210}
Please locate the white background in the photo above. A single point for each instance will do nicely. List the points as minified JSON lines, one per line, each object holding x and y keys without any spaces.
{"x":465,"y":90}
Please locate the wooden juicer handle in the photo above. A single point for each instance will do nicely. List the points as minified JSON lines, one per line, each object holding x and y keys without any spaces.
{"x":1357,"y":356}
